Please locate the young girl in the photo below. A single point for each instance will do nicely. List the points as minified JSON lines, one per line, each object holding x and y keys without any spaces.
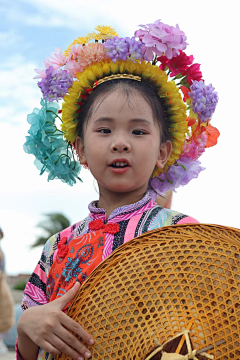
{"x":131,"y":128}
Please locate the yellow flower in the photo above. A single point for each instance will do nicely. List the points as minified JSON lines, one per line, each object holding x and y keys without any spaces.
{"x":106,"y":30}
{"x":79,"y":40}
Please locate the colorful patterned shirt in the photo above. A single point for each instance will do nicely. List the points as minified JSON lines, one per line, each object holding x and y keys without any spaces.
{"x":133,"y":220}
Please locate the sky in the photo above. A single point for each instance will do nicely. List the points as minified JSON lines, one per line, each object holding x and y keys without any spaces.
{"x":30,"y":31}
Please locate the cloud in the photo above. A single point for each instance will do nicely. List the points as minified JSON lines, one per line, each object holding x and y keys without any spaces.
{"x":18,"y":92}
{"x":9,"y":38}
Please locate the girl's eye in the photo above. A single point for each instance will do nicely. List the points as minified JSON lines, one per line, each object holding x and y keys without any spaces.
{"x":105,"y":131}
{"x":138,"y":132}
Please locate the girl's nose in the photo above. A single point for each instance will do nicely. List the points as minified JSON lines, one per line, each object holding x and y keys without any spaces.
{"x":120,"y":145}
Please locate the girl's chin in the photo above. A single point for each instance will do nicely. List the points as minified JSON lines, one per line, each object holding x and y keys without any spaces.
{"x":122,"y":187}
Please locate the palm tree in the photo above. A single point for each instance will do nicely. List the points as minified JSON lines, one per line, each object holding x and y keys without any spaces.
{"x":54,"y":223}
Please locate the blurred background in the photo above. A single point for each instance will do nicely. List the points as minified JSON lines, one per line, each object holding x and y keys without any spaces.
{"x":30,"y":30}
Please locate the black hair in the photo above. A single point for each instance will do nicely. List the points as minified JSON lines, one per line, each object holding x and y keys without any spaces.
{"x":143,"y":87}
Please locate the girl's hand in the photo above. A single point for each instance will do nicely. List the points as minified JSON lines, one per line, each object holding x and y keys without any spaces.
{"x":47,"y":326}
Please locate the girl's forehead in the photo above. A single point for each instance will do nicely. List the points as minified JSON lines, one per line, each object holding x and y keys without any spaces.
{"x":122,"y":100}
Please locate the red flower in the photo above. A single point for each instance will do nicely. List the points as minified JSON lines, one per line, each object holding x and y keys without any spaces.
{"x":193,"y":73}
{"x":62,"y":247}
{"x":177,"y":64}
{"x":111,"y":228}
{"x":164,"y":62}
{"x":96,"y":225}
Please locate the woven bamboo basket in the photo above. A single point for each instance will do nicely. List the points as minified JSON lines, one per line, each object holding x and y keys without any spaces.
{"x":156,"y":286}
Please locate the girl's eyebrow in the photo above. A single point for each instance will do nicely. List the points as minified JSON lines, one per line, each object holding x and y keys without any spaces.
{"x":108,"y":119}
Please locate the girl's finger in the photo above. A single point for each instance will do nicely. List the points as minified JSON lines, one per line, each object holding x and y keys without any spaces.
{"x":50,"y":348}
{"x":64,"y":348}
{"x":66,"y":298}
{"x":72,"y":325}
{"x":72,"y":341}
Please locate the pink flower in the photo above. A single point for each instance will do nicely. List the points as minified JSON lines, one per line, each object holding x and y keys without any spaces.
{"x":194,"y":147}
{"x":74,"y":52}
{"x":42,"y":73}
{"x":160,"y":38}
{"x":73,"y":67}
{"x":57,"y":59}
{"x":90,"y":54}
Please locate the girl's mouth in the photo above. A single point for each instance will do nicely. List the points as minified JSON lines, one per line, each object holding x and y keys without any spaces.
{"x":119,"y":165}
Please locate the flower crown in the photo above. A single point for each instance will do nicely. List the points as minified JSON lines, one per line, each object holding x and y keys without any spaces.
{"x":155,"y":54}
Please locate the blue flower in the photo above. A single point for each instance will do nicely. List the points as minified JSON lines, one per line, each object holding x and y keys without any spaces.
{"x":53,"y":154}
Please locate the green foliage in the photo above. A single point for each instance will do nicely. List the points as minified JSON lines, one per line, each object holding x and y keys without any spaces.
{"x":20,"y":285}
{"x":54,"y":223}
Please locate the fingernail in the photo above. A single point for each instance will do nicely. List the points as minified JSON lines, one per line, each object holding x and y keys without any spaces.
{"x":87,"y":354}
{"x":91,"y":341}
{"x":80,"y":358}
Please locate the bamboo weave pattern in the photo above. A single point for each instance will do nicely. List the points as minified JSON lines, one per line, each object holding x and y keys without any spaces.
{"x":153,"y":286}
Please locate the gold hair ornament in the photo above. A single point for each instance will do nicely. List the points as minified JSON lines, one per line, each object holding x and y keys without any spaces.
{"x":116,"y":76}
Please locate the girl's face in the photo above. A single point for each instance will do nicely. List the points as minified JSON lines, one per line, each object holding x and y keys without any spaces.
{"x":122,"y":143}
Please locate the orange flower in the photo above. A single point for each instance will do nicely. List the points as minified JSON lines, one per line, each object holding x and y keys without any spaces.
{"x":212,"y":134}
{"x":185,"y":92}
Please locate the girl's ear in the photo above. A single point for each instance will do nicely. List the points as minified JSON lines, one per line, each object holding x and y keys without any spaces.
{"x":80,"y":151}
{"x":164,"y":153}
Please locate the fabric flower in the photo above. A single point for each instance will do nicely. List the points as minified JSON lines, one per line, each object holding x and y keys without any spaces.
{"x":74,"y":52}
{"x":57,"y":59}
{"x":90,"y":54}
{"x":35,"y":146}
{"x":195,"y":147}
{"x":61,"y":167}
{"x":96,"y":225}
{"x":178,"y":174}
{"x":111,"y":228}
{"x":192,"y":73}
{"x":42,"y":122}
{"x":42,"y":73}
{"x":212,"y":135}
{"x":56,"y":84}
{"x":161,"y":39}
{"x":53,"y":154}
{"x":72,"y":65}
{"x":204,"y":99}
{"x":123,"y":48}
{"x":62,"y":248}
{"x":176,"y":65}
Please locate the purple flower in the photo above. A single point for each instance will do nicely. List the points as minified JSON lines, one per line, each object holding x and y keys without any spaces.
{"x":123,"y":48}
{"x":204,"y":99}
{"x":56,"y":84}
{"x":178,"y":174}
{"x":160,"y":38}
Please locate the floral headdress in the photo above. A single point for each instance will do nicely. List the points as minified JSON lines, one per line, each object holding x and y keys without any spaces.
{"x":156,"y":54}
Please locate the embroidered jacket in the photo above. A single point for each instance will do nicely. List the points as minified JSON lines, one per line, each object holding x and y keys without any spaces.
{"x":73,"y":253}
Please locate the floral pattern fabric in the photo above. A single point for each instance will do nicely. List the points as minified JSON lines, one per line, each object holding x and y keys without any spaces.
{"x":72,"y":254}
